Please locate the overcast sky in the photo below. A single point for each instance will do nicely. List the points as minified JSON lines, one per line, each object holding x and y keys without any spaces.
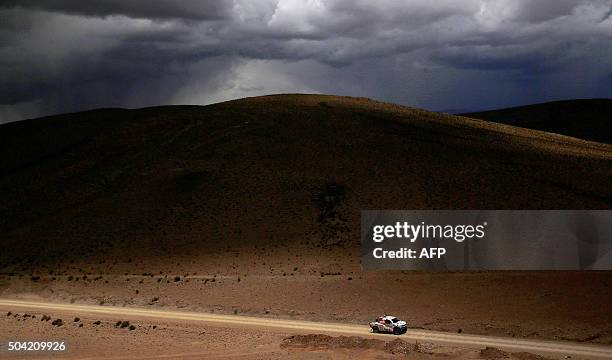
{"x":67,"y":55}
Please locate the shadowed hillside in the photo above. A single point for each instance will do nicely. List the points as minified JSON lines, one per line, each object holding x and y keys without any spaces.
{"x":276,"y":169}
{"x":587,"y":119}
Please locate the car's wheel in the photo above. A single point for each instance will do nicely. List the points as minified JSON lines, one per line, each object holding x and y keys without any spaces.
{"x":374,"y":329}
{"x":397,"y":331}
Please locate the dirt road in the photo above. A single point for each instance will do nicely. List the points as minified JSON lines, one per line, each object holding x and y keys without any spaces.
{"x":477,"y":341}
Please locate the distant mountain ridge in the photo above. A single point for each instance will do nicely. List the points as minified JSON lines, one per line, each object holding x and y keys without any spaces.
{"x":589,"y":119}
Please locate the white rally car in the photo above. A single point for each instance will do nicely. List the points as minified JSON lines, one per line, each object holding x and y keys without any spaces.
{"x":389,"y":324}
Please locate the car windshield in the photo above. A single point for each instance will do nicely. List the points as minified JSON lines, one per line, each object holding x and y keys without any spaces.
{"x":395,"y":320}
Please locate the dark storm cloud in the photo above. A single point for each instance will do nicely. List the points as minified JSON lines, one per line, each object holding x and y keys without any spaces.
{"x":58,"y":56}
{"x":158,"y":9}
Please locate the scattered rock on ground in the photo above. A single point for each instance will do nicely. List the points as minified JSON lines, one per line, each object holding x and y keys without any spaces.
{"x":491,"y":353}
{"x":398,"y":347}
{"x":323,"y":342}
{"x":424,"y":347}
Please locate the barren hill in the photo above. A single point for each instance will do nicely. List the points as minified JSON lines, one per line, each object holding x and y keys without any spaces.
{"x":274,"y":169}
{"x":586,"y":119}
